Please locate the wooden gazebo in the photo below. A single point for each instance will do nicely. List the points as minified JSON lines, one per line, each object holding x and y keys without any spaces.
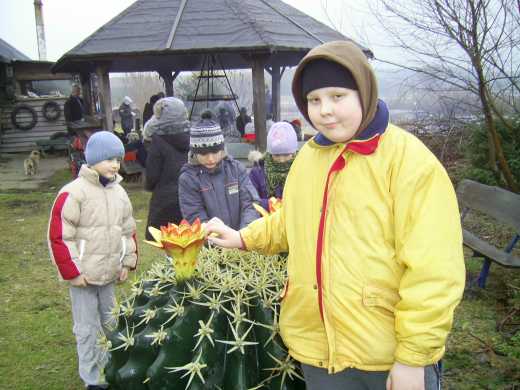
{"x":171,"y":36}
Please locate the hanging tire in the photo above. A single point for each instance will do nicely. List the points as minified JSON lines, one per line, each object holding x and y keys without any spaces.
{"x":23,"y":125}
{"x":51,"y":111}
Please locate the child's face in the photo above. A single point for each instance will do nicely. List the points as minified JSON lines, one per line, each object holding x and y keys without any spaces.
{"x":210,"y":160}
{"x":281,"y":158}
{"x":335,"y":112}
{"x":108,"y":168}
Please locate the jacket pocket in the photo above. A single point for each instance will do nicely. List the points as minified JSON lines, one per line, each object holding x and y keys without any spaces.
{"x":81,"y":249}
{"x":123,"y":250}
{"x":380,"y":298}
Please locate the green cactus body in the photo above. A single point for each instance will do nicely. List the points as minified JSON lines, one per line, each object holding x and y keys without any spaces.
{"x":133,"y":373}
{"x":117,"y":358}
{"x":176,"y":349}
{"x":218,"y":330}
{"x":242,"y":363}
{"x":211,"y":354}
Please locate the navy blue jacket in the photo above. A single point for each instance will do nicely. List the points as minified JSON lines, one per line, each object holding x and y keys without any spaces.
{"x":226,"y":193}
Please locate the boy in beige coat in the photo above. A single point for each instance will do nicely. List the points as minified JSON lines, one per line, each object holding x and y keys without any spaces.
{"x":92,"y":241}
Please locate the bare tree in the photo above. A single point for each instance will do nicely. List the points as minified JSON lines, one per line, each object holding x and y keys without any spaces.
{"x":139,"y":86}
{"x":465,"y":45}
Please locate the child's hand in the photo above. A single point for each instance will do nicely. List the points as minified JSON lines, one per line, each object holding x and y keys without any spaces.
{"x":403,"y":377}
{"x":79,"y":281}
{"x":226,"y":237}
{"x":123,"y":274}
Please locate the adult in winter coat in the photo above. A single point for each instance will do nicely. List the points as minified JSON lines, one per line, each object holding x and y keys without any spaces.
{"x":74,"y":107}
{"x":126,"y":115}
{"x":213,"y":184}
{"x":167,"y":153}
{"x":242,"y":120}
{"x":270,"y":171}
{"x":371,"y":223}
{"x":148,"y":107}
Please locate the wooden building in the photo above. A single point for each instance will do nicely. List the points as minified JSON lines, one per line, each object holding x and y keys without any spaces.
{"x":31,"y":100}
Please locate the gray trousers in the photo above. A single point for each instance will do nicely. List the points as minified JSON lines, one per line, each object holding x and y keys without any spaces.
{"x":91,"y":306}
{"x":353,"y":379}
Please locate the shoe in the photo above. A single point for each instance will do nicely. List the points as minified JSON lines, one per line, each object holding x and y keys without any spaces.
{"x":96,"y":387}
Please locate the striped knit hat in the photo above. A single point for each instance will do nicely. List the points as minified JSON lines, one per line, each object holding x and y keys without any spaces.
{"x":206,"y":137}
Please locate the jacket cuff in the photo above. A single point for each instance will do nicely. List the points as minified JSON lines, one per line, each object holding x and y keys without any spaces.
{"x":130,"y":262}
{"x":243,"y":246}
{"x":70,"y":275}
{"x":413,"y":358}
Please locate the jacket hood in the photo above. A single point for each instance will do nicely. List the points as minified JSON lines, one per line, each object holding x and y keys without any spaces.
{"x":349,"y":55}
{"x":255,"y":156}
{"x":179,"y":141}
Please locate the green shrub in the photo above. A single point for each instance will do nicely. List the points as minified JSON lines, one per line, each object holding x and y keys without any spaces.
{"x":477,"y":153}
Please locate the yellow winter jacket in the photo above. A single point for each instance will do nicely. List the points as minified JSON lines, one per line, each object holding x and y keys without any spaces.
{"x":375,"y":267}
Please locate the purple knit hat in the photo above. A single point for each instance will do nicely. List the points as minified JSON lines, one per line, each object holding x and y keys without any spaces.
{"x":282,"y":139}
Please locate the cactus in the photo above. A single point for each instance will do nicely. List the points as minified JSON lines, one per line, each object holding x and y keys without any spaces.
{"x":203,"y":318}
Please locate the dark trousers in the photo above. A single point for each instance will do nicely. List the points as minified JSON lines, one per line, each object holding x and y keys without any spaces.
{"x":353,"y":379}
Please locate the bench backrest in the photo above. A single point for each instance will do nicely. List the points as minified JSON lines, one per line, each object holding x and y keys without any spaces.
{"x":239,"y":150}
{"x":500,"y":204}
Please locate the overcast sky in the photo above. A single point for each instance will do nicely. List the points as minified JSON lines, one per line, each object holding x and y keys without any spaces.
{"x":68,"y":22}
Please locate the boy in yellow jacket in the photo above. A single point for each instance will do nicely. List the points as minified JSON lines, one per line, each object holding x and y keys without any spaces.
{"x":371,"y":223}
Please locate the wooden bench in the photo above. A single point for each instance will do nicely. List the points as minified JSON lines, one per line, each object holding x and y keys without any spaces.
{"x":499,"y":204}
{"x":52,"y":145}
{"x":239,"y":150}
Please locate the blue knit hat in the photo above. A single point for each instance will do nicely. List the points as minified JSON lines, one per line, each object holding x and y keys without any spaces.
{"x":103,"y":145}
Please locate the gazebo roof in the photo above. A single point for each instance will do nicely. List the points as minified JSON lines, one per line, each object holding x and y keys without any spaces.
{"x":177,"y":34}
{"x":9,"y":53}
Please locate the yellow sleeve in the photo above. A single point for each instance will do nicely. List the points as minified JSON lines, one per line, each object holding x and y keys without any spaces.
{"x":266,"y":235}
{"x":429,"y":245}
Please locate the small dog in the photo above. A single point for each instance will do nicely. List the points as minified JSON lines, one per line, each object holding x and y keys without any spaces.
{"x":32,"y":163}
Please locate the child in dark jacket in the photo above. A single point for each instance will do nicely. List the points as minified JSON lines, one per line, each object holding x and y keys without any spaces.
{"x":270,"y":171}
{"x":212,"y":184}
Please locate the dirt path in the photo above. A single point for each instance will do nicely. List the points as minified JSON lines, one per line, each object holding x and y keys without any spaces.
{"x":12,"y":175}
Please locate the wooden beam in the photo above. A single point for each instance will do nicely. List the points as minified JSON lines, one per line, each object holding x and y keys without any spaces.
{"x":104,"y":96}
{"x":275,"y":88}
{"x":259,"y":109}
{"x":171,"y":36}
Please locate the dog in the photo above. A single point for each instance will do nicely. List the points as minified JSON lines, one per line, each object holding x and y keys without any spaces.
{"x":32,"y":163}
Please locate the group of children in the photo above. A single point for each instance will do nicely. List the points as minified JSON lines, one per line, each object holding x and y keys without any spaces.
{"x":369,"y":219}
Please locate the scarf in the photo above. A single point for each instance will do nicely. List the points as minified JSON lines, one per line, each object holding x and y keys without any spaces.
{"x":275,"y":173}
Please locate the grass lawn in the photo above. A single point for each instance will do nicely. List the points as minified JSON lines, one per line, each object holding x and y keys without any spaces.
{"x":38,"y":348}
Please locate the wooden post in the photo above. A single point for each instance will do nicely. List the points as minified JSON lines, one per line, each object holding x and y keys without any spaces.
{"x":86,"y":92}
{"x":105,"y":99}
{"x":275,"y":87}
{"x":259,"y":109}
{"x":168,"y":81}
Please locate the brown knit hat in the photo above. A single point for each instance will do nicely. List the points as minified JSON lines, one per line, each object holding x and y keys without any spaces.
{"x":350,"y":56}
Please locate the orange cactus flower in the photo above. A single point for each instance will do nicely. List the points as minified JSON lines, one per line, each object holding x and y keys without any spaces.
{"x":182,"y":243}
{"x":273,"y":205}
